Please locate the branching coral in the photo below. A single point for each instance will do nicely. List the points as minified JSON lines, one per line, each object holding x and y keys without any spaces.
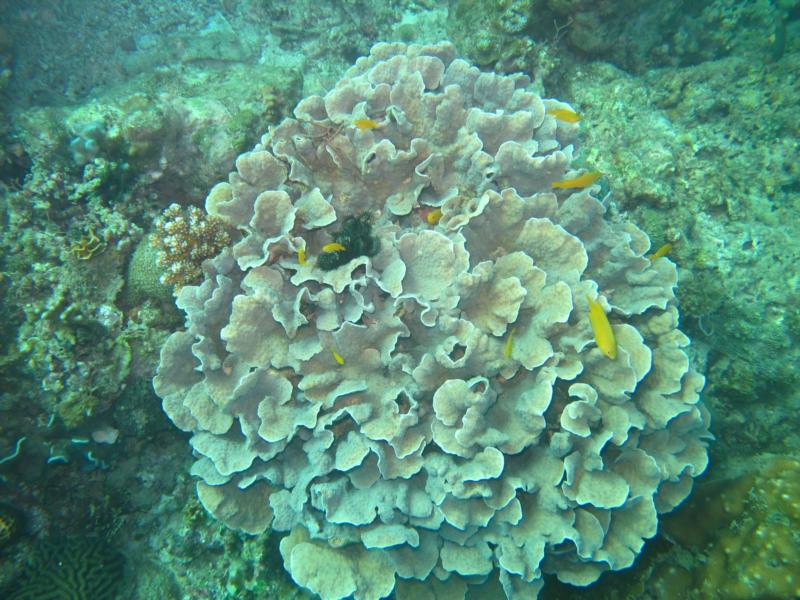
{"x":184,"y":239}
{"x":379,"y":411}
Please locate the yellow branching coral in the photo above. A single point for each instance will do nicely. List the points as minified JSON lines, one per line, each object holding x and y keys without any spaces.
{"x":184,"y":239}
{"x":89,"y":245}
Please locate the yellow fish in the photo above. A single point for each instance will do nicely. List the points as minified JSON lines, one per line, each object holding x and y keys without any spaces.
{"x":332,"y":247}
{"x":509,"y":346}
{"x":603,"y":334}
{"x":564,"y":114}
{"x":337,"y":357}
{"x":581,"y":181}
{"x":301,"y":256}
{"x":366,"y":124}
{"x":433,"y":217}
{"x":660,"y":252}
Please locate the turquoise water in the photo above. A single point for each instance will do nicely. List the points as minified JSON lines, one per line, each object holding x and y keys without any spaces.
{"x":429,"y":333}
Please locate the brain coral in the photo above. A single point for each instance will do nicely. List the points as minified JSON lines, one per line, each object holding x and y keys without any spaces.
{"x":380,"y":411}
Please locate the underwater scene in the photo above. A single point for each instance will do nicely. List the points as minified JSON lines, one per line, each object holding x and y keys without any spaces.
{"x":471,"y":299}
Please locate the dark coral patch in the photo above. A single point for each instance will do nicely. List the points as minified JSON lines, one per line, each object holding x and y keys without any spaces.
{"x":356,"y":237}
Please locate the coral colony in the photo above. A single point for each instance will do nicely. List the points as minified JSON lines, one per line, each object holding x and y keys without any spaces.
{"x":487,"y":374}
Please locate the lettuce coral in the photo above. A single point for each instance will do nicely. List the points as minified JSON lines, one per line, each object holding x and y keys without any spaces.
{"x":377,"y":411}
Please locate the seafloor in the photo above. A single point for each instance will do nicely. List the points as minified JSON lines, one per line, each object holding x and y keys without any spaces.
{"x":114,"y":111}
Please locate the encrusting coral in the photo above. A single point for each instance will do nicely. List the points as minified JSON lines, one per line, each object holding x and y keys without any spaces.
{"x":759,"y":555}
{"x":436,"y":407}
{"x":748,"y":533}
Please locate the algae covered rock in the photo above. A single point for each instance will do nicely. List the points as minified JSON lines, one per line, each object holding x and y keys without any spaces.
{"x":490,"y":31}
{"x":433,"y":406}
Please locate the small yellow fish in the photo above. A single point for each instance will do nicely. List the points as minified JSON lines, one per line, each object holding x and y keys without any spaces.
{"x":332,"y":247}
{"x":564,"y":114}
{"x":366,"y":124}
{"x":509,"y":346}
{"x":433,"y":217}
{"x":337,"y":357}
{"x":603,"y":334}
{"x":660,"y":252}
{"x":581,"y":181}
{"x":301,"y":256}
